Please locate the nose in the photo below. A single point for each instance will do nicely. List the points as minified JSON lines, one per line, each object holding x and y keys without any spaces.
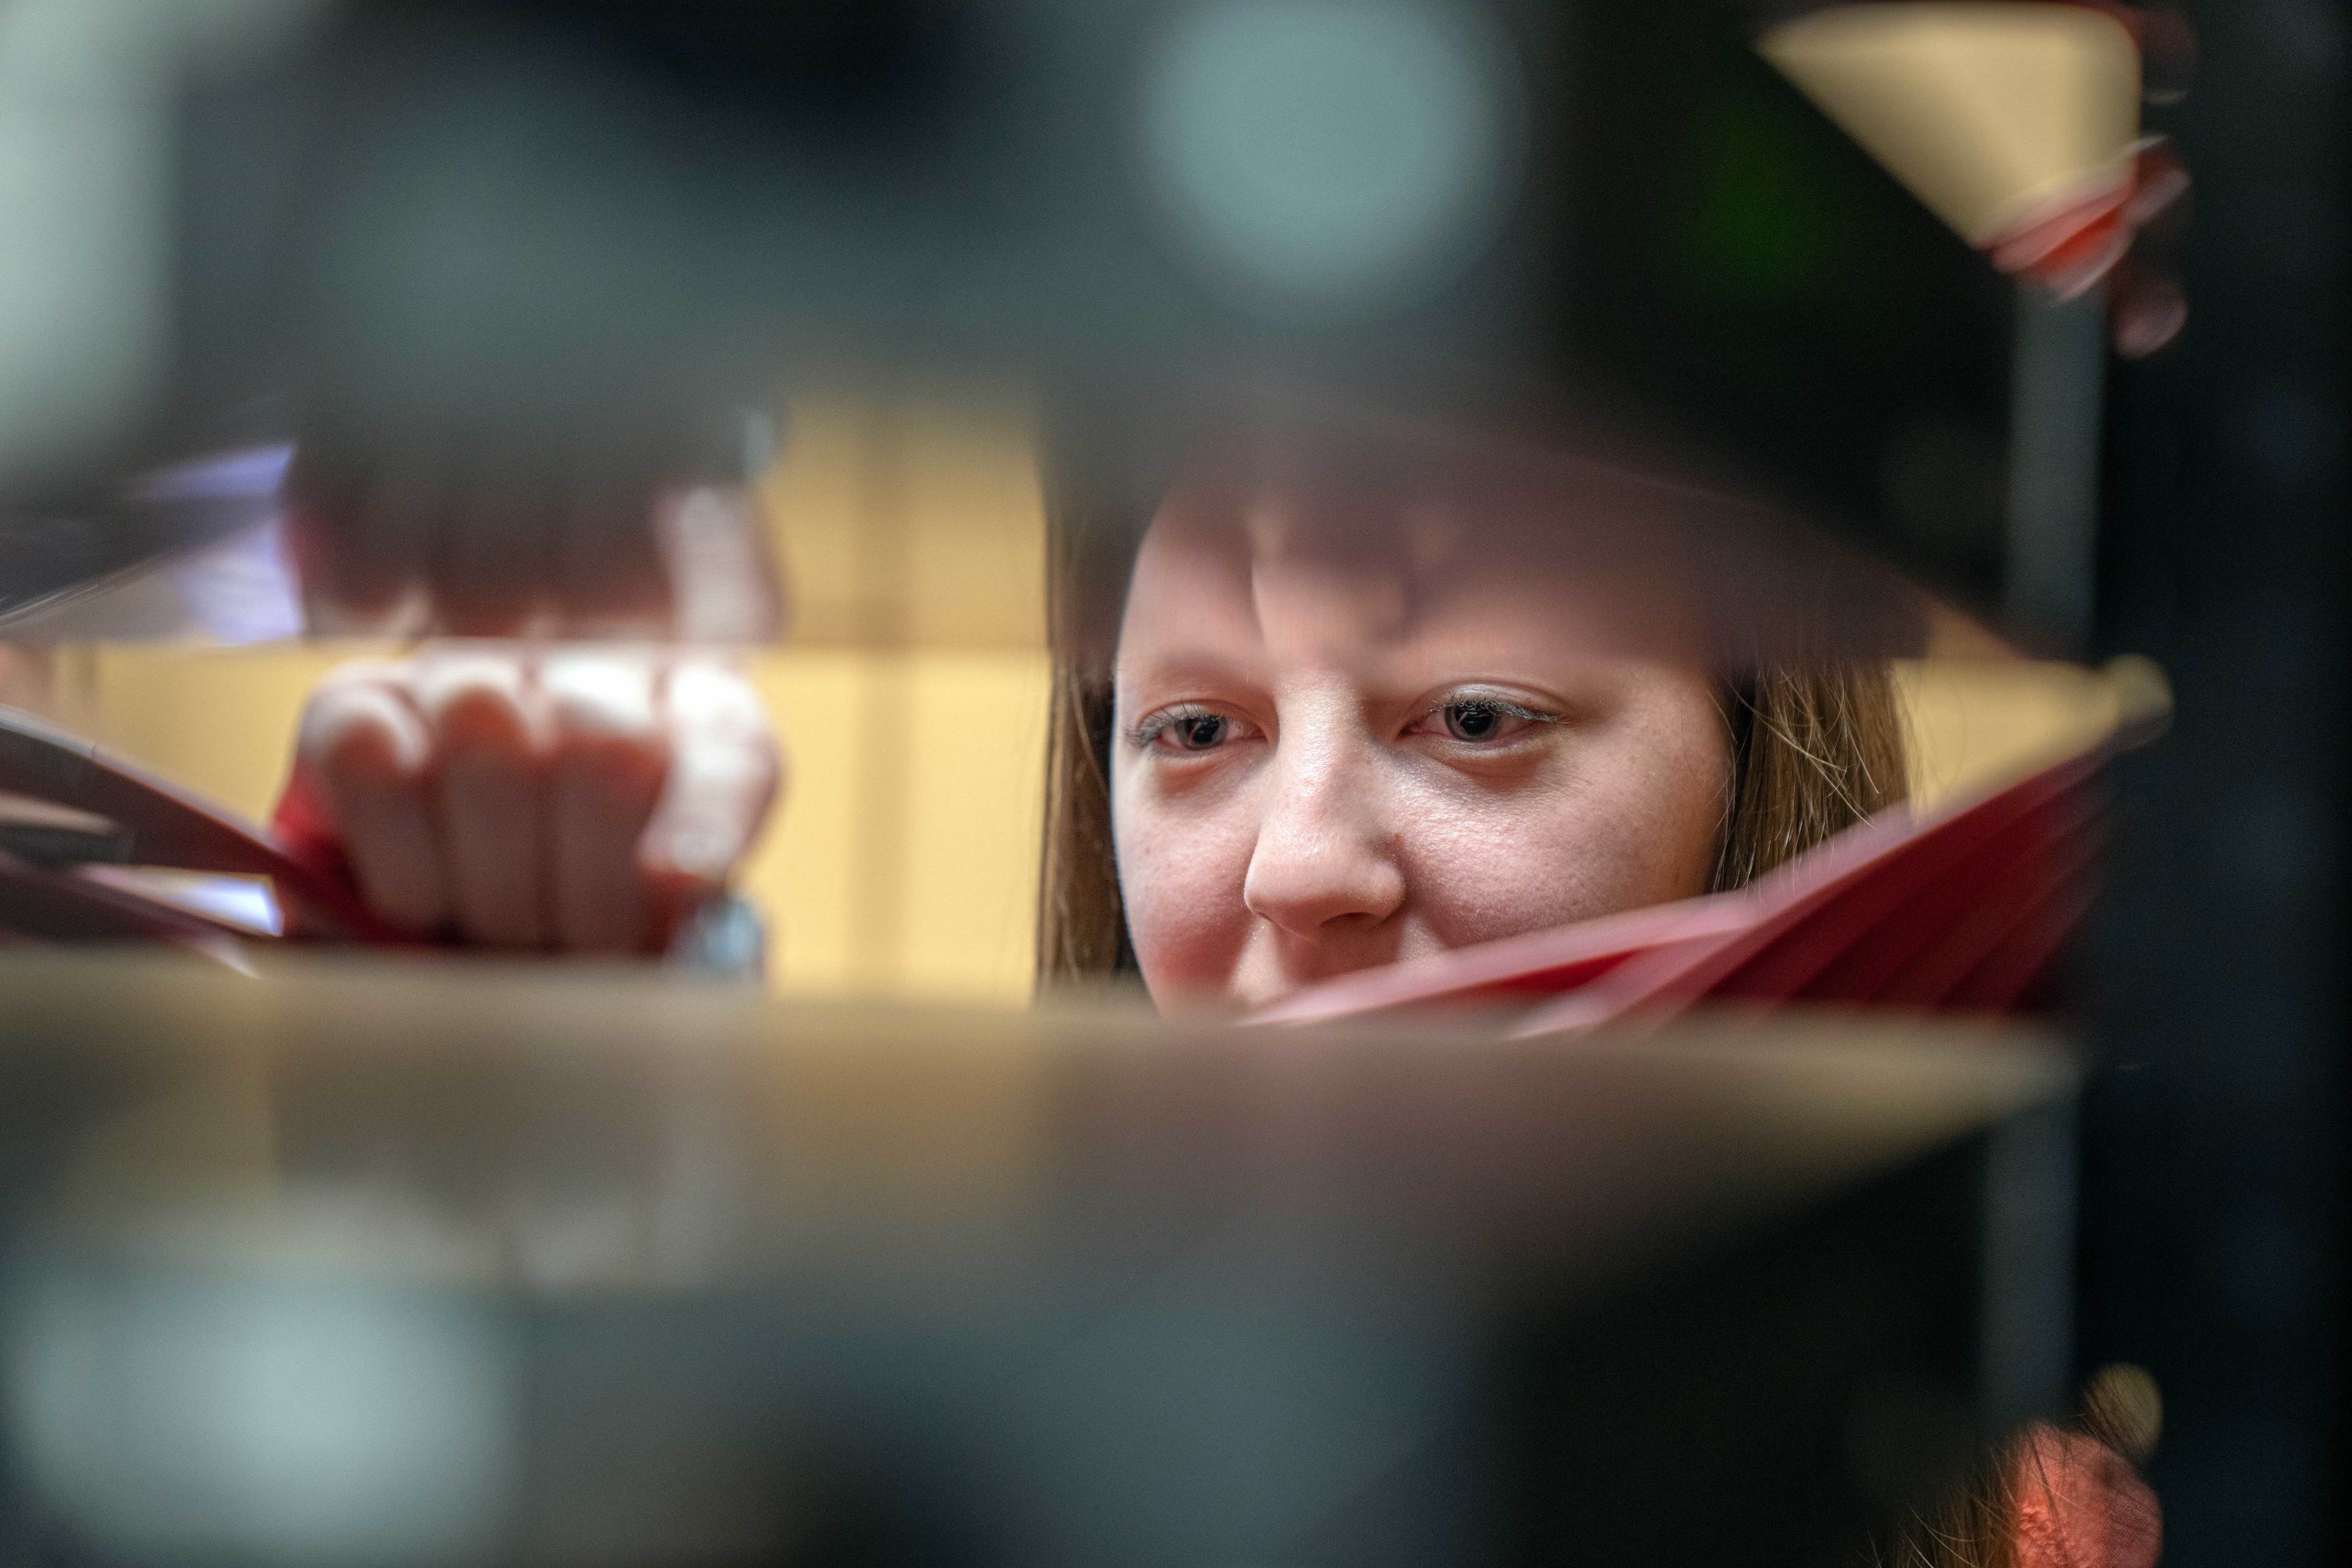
{"x":1325,"y":864}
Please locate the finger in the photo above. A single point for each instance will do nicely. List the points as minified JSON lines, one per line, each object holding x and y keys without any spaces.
{"x":609,"y":759}
{"x":488,"y":794}
{"x":725,"y":769}
{"x":364,"y":751}
{"x":714,"y":547}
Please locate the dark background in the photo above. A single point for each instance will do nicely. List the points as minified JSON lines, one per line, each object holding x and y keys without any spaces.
{"x":2214,"y":1216}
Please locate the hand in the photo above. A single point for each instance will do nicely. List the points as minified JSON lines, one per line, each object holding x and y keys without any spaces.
{"x":581,"y":801}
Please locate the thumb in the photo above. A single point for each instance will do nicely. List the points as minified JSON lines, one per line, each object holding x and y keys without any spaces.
{"x":725,"y":769}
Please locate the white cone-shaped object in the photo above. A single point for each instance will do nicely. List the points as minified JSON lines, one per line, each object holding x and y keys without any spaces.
{"x":1994,"y":113}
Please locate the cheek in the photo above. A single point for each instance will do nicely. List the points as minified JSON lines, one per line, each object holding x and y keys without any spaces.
{"x":1629,"y":820}
{"x":1182,"y":867}
{"x":1665,"y":801}
{"x":1480,"y":867}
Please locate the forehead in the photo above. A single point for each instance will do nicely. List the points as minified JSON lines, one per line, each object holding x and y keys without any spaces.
{"x":1287,"y":567}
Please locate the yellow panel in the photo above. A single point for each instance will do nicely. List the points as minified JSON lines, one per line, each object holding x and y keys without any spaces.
{"x":975,"y":824}
{"x":906,"y":526}
{"x":1983,"y":110}
{"x":976,"y":545}
{"x":1973,"y":724}
{"x":816,"y":497}
{"x":220,"y":721}
{"x":804,"y":877}
{"x":905,"y":857}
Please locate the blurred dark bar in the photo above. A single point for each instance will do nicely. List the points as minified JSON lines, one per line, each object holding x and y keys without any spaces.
{"x":344,"y":1266}
{"x":2216,"y":1181}
{"x":508,"y":226}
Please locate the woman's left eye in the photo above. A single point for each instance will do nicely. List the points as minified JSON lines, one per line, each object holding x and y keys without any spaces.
{"x":1482,"y":720}
{"x":1473,"y":720}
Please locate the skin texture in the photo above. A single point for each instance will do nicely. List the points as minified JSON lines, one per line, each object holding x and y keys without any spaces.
{"x":576,"y":800}
{"x":1293,"y":796}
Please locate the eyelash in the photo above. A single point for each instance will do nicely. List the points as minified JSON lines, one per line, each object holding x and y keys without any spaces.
{"x":1148,"y":733}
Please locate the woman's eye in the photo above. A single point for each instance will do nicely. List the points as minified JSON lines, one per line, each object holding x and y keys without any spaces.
{"x":1199,"y":733}
{"x":1189,"y":730}
{"x":1484,"y":721}
{"x":1472,"y":721}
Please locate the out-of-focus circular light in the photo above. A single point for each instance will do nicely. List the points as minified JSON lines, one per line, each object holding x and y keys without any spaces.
{"x":1330,"y":158}
{"x":170,"y":1415}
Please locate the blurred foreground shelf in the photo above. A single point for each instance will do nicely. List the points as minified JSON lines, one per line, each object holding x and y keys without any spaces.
{"x":368,"y":1261}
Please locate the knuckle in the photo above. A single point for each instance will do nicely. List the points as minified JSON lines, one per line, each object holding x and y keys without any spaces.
{"x":599,"y":695}
{"x":476,"y":701}
{"x":360,"y":730}
{"x":705,"y":691}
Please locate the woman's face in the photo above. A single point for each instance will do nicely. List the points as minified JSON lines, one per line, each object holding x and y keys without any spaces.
{"x":1340,"y":743}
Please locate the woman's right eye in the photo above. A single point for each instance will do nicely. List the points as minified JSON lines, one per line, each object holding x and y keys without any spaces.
{"x":1188,"y":730}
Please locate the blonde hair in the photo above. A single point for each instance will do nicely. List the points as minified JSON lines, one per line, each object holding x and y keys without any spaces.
{"x":1816,"y":746}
